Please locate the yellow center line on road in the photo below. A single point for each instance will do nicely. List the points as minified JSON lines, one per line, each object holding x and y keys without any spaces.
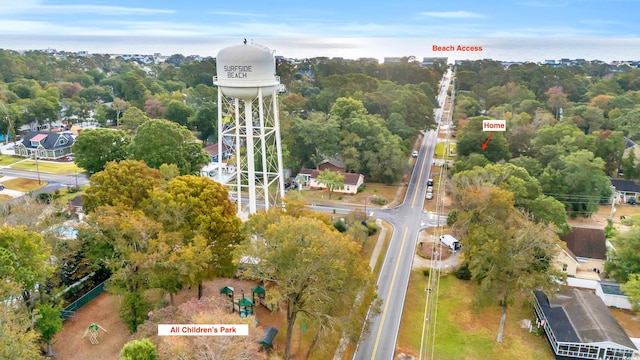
{"x":386,"y":303}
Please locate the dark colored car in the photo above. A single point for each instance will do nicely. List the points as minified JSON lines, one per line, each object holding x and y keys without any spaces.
{"x":1,"y":187}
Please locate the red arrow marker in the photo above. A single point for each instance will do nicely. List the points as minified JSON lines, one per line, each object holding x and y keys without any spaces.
{"x":484,"y":146}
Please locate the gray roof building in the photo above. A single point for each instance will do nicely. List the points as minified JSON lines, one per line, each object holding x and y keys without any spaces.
{"x":579,"y":325}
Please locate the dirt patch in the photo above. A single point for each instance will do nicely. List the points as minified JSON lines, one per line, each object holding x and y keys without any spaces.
{"x":432,"y":250}
{"x":103,"y":310}
{"x":628,"y":320}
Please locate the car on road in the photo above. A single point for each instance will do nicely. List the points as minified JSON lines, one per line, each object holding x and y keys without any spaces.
{"x":429,"y":196}
{"x":414,"y":154}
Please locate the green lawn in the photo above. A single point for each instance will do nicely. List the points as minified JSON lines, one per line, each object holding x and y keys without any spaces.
{"x":462,"y":333}
{"x":440,"y":150}
{"x":24,"y":185}
{"x":8,"y":160}
{"x":49,"y":167}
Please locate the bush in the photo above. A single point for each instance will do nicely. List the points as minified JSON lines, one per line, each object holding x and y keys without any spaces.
{"x":372,"y":228}
{"x":340,"y":226}
{"x":378,"y":200}
{"x":463,"y":272}
{"x":426,"y":272}
{"x":361,"y":188}
{"x":139,"y":350}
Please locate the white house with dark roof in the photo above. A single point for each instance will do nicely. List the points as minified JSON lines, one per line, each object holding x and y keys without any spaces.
{"x":352,"y":181}
{"x":50,"y":146}
{"x":625,"y":189}
{"x":578,"y":325}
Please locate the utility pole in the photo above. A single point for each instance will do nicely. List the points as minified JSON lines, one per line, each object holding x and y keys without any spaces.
{"x":37,"y":169}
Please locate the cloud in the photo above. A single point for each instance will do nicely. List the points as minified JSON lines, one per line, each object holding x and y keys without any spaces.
{"x":542,"y":4}
{"x":238,"y":14}
{"x":38,"y":7}
{"x":452,"y":14}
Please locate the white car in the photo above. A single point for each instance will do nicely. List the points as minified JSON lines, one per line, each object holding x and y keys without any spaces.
{"x":414,"y":154}
{"x":429,"y":196}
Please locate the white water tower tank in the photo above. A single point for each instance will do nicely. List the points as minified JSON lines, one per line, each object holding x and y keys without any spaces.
{"x":243,"y":69}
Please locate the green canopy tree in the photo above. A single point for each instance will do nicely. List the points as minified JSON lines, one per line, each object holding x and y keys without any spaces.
{"x":508,"y":255}
{"x":625,"y":260}
{"x":160,"y":142}
{"x":312,"y":266}
{"x":125,"y":184}
{"x":332,"y":180}
{"x":200,"y":210}
{"x":48,"y":323}
{"x":93,"y":149}
{"x":142,"y":349}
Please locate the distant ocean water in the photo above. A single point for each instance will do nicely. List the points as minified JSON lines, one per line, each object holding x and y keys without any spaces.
{"x":504,"y":49}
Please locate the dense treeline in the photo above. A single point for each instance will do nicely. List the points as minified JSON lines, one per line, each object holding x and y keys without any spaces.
{"x":565,"y":125}
{"x":394,"y":101}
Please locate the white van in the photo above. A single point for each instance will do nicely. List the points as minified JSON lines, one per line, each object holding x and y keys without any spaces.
{"x":450,"y":242}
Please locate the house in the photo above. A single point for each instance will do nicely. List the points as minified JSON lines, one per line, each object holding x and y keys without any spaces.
{"x":352,"y":181}
{"x":212,"y":150}
{"x":567,"y":261}
{"x":578,"y":325}
{"x":625,"y":189}
{"x":74,"y":207}
{"x":589,"y":248}
{"x":44,"y":145}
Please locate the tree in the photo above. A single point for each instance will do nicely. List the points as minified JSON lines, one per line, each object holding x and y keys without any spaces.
{"x":556,"y":100}
{"x":508,"y":255}
{"x":139,"y":350}
{"x":312,"y":266}
{"x":632,"y":289}
{"x":128,"y":234}
{"x":132,"y":119}
{"x":48,"y":323}
{"x":125,"y":185}
{"x":471,"y":138}
{"x":200,"y":210}
{"x":625,"y":260}
{"x":205,"y":121}
{"x":154,"y":109}
{"x":178,"y":112}
{"x":120,"y":106}
{"x":160,"y":142}
{"x":577,"y":180}
{"x":23,"y":255}
{"x":93,"y":149}
{"x":332,"y":180}
{"x":18,"y":339}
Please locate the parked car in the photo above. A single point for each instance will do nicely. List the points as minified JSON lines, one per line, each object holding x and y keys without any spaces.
{"x":429,"y":189}
{"x":429,"y":196}
{"x":631,"y":200}
{"x":450,"y":242}
{"x":623,"y":217}
{"x":414,"y":154}
{"x":430,"y":182}
{"x":1,"y":187}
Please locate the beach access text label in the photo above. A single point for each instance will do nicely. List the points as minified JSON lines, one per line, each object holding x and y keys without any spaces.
{"x":494,"y":125}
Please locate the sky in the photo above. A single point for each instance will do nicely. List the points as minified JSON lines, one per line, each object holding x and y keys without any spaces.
{"x":359,"y":28}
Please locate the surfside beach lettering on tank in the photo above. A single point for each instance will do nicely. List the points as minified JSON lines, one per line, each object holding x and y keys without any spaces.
{"x":237,"y":71}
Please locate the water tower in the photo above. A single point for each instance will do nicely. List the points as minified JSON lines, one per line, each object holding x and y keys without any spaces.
{"x":248,"y":125}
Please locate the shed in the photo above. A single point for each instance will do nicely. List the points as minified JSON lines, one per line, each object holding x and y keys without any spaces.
{"x":612,"y":295}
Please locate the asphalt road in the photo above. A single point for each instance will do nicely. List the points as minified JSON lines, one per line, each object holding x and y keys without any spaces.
{"x":407,"y":219}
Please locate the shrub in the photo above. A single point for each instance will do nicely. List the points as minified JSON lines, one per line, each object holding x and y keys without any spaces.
{"x":463,"y":272}
{"x":372,"y":228}
{"x":425,"y":272}
{"x":340,"y":226}
{"x":361,"y":188}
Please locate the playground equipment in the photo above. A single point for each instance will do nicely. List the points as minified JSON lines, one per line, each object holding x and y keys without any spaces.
{"x":92,"y":330}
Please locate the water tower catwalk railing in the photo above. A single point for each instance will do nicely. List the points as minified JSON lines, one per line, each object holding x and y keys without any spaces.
{"x":253,"y":126}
